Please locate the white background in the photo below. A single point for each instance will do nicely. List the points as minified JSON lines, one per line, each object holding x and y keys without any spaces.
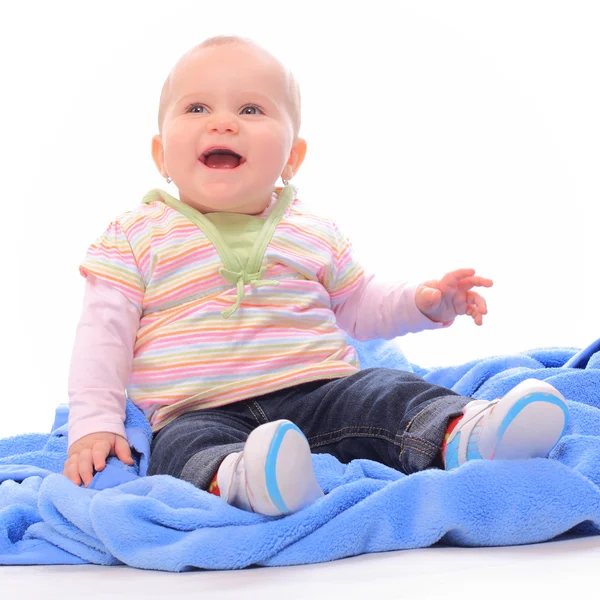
{"x":441,"y":135}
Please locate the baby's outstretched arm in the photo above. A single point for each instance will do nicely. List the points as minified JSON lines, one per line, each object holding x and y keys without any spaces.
{"x":379,"y":309}
{"x":365,"y":306}
{"x":100,"y":367}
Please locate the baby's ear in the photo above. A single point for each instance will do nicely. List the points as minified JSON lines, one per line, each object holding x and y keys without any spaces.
{"x":297,"y":155}
{"x":158,"y":155}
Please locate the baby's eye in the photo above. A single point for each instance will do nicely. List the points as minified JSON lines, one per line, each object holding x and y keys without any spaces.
{"x":193,"y":106}
{"x":251,"y":109}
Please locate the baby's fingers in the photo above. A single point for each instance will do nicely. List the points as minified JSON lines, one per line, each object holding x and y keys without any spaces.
{"x":85,"y":466}
{"x":476,"y":307}
{"x":99,"y":453}
{"x":475,"y":281}
{"x":477,"y":300}
{"x":123,"y":451}
{"x":474,"y":314}
{"x":71,"y":469}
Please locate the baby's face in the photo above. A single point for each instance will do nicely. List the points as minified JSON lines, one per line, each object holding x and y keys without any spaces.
{"x":227,"y":134}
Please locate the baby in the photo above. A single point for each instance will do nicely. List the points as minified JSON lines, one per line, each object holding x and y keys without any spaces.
{"x":222,"y":316}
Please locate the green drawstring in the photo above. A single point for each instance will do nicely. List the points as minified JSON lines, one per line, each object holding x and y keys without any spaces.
{"x":241,"y":278}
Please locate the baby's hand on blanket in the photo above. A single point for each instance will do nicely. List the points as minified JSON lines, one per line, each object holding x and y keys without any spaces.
{"x":91,"y":451}
{"x":442,"y":300}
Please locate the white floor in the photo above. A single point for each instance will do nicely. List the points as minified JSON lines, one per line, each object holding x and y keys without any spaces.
{"x":566,"y":568}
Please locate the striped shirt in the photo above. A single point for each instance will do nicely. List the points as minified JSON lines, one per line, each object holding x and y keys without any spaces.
{"x":187,"y":355}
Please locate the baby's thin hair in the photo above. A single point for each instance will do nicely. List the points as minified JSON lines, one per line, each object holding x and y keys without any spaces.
{"x":292,"y":87}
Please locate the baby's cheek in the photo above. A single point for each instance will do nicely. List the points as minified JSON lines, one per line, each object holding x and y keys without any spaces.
{"x":276,"y":135}
{"x":181,"y":146}
{"x":276,"y":148}
{"x":178,"y":137}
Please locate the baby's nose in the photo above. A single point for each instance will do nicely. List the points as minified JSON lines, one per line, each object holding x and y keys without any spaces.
{"x":222,"y":124}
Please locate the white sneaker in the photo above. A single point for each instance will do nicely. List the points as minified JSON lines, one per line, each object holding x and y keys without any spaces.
{"x":526,"y":423}
{"x":273,"y":475}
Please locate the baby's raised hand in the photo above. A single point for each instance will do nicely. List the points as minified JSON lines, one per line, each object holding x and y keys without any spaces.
{"x":91,"y":451}
{"x":452,"y":295}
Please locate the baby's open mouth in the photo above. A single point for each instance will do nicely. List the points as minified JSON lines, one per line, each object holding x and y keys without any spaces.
{"x":221,"y":158}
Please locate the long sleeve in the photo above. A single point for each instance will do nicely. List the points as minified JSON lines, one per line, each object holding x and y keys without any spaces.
{"x":101,"y":361}
{"x":376,"y":309}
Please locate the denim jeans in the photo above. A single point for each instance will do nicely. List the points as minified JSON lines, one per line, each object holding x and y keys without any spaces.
{"x":385,"y":415}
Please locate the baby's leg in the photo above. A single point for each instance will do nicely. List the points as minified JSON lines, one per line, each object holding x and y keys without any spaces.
{"x":194,"y":445}
{"x":386,"y":415}
{"x":402,"y":421}
{"x":265,"y":469}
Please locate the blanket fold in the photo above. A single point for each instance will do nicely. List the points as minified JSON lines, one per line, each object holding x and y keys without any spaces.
{"x":160,"y":522}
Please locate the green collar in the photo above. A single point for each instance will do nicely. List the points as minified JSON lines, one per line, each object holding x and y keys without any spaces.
{"x":233,"y":271}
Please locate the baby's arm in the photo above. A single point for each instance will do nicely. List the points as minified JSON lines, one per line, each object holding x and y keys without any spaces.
{"x":381,"y":310}
{"x":364,"y":306}
{"x":100,"y":367}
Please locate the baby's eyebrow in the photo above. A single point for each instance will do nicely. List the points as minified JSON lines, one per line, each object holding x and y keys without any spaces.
{"x":194,"y":95}
{"x":256,"y":95}
{"x":249,"y":94}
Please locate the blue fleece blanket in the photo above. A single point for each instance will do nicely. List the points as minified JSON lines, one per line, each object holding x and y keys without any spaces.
{"x":163,"y":523}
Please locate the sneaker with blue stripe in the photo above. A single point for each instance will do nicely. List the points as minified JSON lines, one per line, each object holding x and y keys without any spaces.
{"x":273,"y":475}
{"x":525,"y":423}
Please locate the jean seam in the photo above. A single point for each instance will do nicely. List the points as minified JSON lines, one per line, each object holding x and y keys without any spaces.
{"x":403,"y":436}
{"x":351,"y":431}
{"x":426,"y":454}
{"x":417,"y":442}
{"x":252,"y":412}
{"x":416,"y":445}
{"x":257,"y":405}
{"x":369,"y":427}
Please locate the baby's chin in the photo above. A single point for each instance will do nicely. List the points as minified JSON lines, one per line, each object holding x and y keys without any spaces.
{"x":219,"y":196}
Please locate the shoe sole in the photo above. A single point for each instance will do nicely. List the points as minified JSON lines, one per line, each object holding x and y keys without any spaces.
{"x":279,"y":473}
{"x":532,"y":418}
